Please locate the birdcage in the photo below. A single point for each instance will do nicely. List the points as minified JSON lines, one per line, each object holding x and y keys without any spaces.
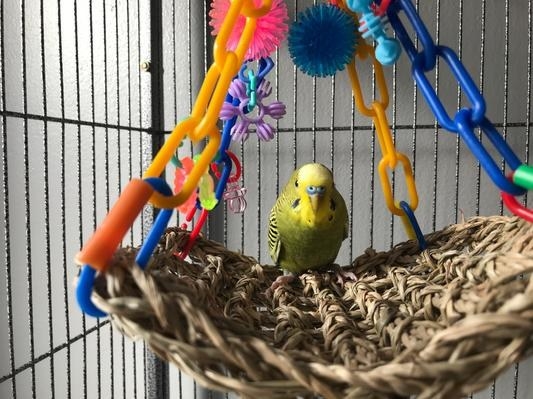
{"x":91,"y":92}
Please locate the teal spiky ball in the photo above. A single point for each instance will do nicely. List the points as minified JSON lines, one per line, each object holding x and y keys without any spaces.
{"x":322,"y":40}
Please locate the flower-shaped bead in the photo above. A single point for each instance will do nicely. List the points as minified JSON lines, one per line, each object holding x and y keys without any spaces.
{"x":247,"y":118}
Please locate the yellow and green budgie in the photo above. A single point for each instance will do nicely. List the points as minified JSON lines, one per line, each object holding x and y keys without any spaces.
{"x":308,"y":222}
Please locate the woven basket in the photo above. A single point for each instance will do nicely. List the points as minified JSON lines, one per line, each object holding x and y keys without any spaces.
{"x":438,"y":324}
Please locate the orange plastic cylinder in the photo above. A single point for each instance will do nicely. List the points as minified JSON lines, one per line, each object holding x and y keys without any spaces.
{"x":99,"y":250}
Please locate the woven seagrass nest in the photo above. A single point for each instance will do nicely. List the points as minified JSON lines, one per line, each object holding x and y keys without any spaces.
{"x":438,"y":324}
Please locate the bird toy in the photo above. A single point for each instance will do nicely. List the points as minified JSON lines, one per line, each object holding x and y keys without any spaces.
{"x":241,"y":129}
{"x":309,"y":220}
{"x":373,"y":26}
{"x":270,"y":31}
{"x":322,"y":40}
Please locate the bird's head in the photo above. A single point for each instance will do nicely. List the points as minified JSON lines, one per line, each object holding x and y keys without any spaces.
{"x":314,"y":184}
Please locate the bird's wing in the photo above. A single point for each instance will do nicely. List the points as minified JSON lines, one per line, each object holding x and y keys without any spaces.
{"x":274,"y":243}
{"x":343,"y":212}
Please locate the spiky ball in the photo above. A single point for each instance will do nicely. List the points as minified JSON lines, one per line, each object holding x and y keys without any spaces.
{"x":270,"y":31}
{"x":322,"y":40}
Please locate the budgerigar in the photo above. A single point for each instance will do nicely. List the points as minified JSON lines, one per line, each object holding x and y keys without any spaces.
{"x":308,"y":222}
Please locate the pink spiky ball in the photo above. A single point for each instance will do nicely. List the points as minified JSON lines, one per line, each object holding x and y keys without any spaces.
{"x":270,"y":31}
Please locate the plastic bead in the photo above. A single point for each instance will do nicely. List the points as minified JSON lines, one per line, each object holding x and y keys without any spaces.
{"x":234,"y":195}
{"x":264,"y":130}
{"x":180,"y":175}
{"x":523,"y":176}
{"x":388,"y":49}
{"x":322,"y":40}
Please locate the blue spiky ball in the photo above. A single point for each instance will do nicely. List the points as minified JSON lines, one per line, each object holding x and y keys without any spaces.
{"x":322,"y":40}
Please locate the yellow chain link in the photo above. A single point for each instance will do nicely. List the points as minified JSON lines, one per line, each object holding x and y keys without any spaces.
{"x":203,"y":120}
{"x":390,"y":156}
{"x":376,"y":110}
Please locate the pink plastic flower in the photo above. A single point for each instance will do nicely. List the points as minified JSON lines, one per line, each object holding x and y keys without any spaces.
{"x":270,"y":31}
{"x":180,"y":175}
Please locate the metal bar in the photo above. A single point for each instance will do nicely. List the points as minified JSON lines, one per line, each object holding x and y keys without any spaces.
{"x":436,"y":131}
{"x":313,"y":119}
{"x":457,"y":139}
{"x":141,"y":162}
{"x":119,"y":166}
{"x":130,"y":166}
{"x":481,"y":85}
{"x":372,"y":185}
{"x":156,"y":377}
{"x":156,"y":73}
{"x":107,"y":183}
{"x":394,"y":110}
{"x":66,"y":283}
{"x":302,"y":129}
{"x":93,"y":180}
{"x":295,"y":105}
{"x":46,"y":203}
{"x":351,"y":201}
{"x":27,"y":223}
{"x":79,"y":122}
{"x":414,"y":126}
{"x":65,"y":345}
{"x":156,"y":371}
{"x":6,"y":209}
{"x":80,"y":185}
{"x":332,"y":124}
{"x":505,"y":85}
{"x":259,"y":201}
{"x":528,"y":96}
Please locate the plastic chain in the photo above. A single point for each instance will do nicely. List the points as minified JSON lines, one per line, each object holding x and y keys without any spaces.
{"x":224,"y":177}
{"x":466,"y":120}
{"x":226,"y":157}
{"x":205,"y":113}
{"x":391,"y":158}
{"x":102,"y":247}
{"x":518,"y":176}
{"x":372,"y":26}
{"x":413,"y":224}
{"x":202,"y":123}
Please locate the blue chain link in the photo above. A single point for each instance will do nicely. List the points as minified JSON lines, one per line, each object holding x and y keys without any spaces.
{"x":422,"y":244}
{"x":465,"y":129}
{"x":466,"y":120}
{"x":428,"y":52}
{"x":465,"y":82}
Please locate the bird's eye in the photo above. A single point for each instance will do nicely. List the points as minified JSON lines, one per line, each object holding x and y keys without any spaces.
{"x":311,"y":190}
{"x":296,"y":183}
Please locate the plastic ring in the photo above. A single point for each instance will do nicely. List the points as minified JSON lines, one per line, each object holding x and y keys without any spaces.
{"x":514,"y":206}
{"x":238,"y":169}
{"x":414,"y":223}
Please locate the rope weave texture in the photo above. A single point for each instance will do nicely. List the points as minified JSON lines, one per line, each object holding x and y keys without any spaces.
{"x":438,"y":324}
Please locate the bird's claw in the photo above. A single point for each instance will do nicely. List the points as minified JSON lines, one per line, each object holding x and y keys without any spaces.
{"x":345,"y":276}
{"x":285,"y":279}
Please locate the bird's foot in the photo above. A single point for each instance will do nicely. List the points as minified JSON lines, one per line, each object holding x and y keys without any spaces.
{"x":285,"y":279}
{"x":344,"y":276}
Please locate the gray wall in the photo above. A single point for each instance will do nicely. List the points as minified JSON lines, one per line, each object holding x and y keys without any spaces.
{"x":76,"y":118}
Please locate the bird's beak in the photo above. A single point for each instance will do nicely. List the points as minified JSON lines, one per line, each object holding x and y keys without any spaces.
{"x":315,"y":200}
